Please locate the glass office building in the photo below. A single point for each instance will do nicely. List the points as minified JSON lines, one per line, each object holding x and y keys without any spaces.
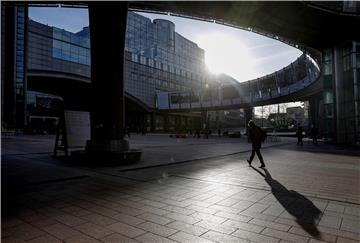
{"x":13,"y":70}
{"x":156,"y":59}
{"x":341,"y":70}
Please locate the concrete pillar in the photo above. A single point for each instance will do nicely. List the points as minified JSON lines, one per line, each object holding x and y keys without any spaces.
{"x":107,"y":40}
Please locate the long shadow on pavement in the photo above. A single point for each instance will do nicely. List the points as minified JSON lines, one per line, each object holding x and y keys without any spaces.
{"x":305,"y":212}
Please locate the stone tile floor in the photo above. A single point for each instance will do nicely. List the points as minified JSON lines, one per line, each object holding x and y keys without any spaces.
{"x":306,"y":194}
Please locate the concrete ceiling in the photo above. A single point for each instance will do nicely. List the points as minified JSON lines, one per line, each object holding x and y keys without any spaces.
{"x":300,"y":23}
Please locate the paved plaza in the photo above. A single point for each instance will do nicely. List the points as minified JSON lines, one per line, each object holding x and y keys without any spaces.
{"x":183,"y":190}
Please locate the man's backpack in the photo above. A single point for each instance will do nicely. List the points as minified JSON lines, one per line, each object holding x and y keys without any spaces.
{"x":263,"y":135}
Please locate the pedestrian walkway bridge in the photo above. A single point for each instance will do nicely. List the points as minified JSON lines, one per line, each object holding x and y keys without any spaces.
{"x":297,"y":81}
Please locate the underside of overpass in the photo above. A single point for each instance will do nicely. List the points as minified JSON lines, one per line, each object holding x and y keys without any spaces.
{"x":76,"y":94}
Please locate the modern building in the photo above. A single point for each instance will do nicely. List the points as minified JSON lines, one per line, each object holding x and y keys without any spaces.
{"x":157,"y":59}
{"x":13,"y":70}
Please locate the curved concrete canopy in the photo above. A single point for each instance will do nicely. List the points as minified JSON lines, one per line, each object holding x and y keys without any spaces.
{"x":300,"y":23}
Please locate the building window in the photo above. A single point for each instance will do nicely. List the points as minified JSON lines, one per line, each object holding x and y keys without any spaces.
{"x":346,"y":51}
{"x":328,"y":62}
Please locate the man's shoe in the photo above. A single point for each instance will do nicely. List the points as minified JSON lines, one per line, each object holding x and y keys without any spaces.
{"x":248,"y":162}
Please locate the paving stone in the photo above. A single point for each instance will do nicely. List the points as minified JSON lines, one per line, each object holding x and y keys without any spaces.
{"x":45,"y":239}
{"x":50,"y":211}
{"x":187,"y":238}
{"x":23,"y":232}
{"x":71,"y":209}
{"x":44,"y":222}
{"x":94,"y":230}
{"x":11,"y":222}
{"x":125,"y":229}
{"x":82,"y":239}
{"x":284,"y":235}
{"x":216,"y":227}
{"x":330,"y":221}
{"x":210,"y":217}
{"x":351,"y":225}
{"x":203,"y":209}
{"x":116,"y":238}
{"x":149,"y":237}
{"x":341,"y":233}
{"x":274,"y":210}
{"x":254,"y":236}
{"x":33,"y":217}
{"x":155,"y":218}
{"x":12,"y":240}
{"x":128,"y":219}
{"x":272,"y":225}
{"x":182,"y":218}
{"x":154,"y":210}
{"x":335,"y":207}
{"x":321,"y":236}
{"x":105,"y":211}
{"x":344,"y":240}
{"x":197,"y":203}
{"x":180,"y":210}
{"x":187,"y":228}
{"x":244,"y":226}
{"x":154,"y":203}
{"x":314,"y":241}
{"x":236,"y":217}
{"x":225,"y":209}
{"x":62,"y":231}
{"x":352,"y":211}
{"x":242,"y":205}
{"x":69,"y":219}
{"x":99,"y":219}
{"x":177,"y":203}
{"x":215,"y":199}
{"x":157,"y":229}
{"x":228,"y":202}
{"x":220,"y":237}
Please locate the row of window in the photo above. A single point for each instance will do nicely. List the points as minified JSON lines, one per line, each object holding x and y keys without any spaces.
{"x":72,"y":53}
{"x":159,"y":83}
{"x":66,"y":36}
{"x":165,"y":67}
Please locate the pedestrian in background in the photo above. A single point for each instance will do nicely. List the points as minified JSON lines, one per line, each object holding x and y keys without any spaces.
{"x":299,"y":134}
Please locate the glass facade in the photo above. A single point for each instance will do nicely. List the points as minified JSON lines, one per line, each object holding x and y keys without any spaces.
{"x":70,"y":47}
{"x":156,"y":58}
{"x":341,"y":93}
{"x":20,"y":65}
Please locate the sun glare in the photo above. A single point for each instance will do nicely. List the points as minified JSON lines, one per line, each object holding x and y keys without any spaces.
{"x":221,"y":50}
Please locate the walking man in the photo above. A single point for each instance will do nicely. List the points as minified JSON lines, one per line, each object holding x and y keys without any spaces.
{"x":256,"y":137}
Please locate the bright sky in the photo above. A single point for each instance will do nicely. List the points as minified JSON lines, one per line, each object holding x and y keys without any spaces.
{"x":238,"y":53}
